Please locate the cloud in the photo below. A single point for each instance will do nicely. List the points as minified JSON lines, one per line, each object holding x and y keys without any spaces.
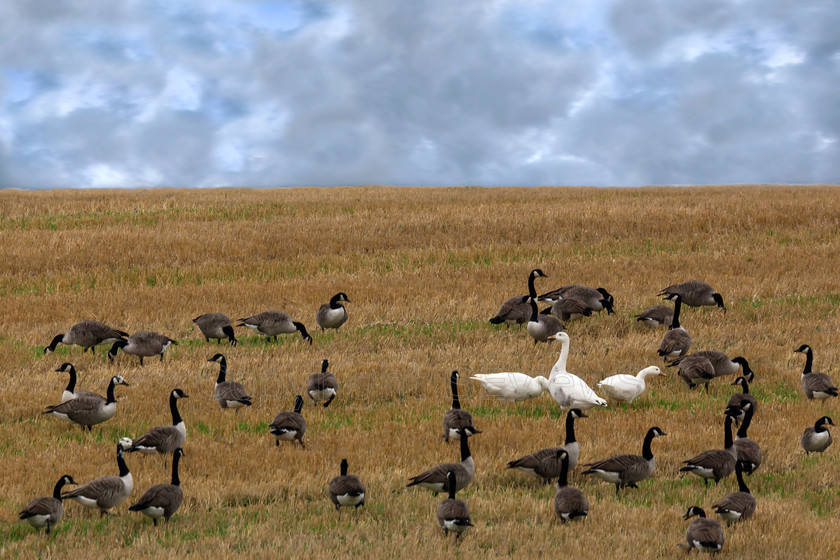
{"x":505,"y":92}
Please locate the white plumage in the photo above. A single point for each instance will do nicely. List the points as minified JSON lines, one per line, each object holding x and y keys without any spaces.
{"x":624,"y":387}
{"x":569,"y":390}
{"x":511,"y":386}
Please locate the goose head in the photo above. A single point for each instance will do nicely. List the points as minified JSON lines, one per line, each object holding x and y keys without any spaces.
{"x":542,"y":381}
{"x":217,"y":358}
{"x":650,"y":370}
{"x":125,"y":443}
{"x":694,"y":511}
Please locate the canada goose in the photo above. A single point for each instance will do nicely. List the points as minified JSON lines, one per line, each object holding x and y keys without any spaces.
{"x":746,"y":450}
{"x":46,"y":511}
{"x":164,"y":439}
{"x":656,"y":316}
{"x":512,"y":386}
{"x":91,"y":410}
{"x":289,"y":426}
{"x":533,"y":463}
{"x":322,"y":387}
{"x":597,"y":299}
{"x":516,"y":310}
{"x":570,"y":309}
{"x":695,"y":369}
{"x":737,"y":400}
{"x":87,"y":334}
{"x":332,"y":315}
{"x":723,"y":365}
{"x":346,"y":490}
{"x":736,"y":506}
{"x":694,"y":293}
{"x":70,"y":392}
{"x":815,"y":385}
{"x":456,"y":419}
{"x":229,"y":394}
{"x":818,"y":438}
{"x":541,"y":326}
{"x":105,"y":492}
{"x":567,"y":389}
{"x":162,"y":500}
{"x":142,"y":344}
{"x":676,"y":341}
{"x":705,"y":535}
{"x":625,"y":388}
{"x":627,"y":470}
{"x":435,"y":479}
{"x":215,"y":325}
{"x":272,"y":323}
{"x":453,"y":514}
{"x":569,"y":503}
{"x":714,"y":463}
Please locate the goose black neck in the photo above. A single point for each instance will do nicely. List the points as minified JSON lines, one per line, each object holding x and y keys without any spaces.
{"x":745,"y":425}
{"x":745,"y":386}
{"x":175,"y":480}
{"x":344,"y":467}
{"x":334,"y":302}
{"x":121,"y":462}
{"x":299,"y":326}
{"x":570,"y":428}
{"x":54,"y":343}
{"x":809,"y":360}
{"x":57,"y":490}
{"x":450,"y":477}
{"x":727,"y":432}
{"x":532,"y":291}
{"x":646,"y":451}
{"x":222,"y":370}
{"x":819,"y":427}
{"x":173,"y":408}
{"x":71,"y":385}
{"x":325,"y":365}
{"x":534,"y":313}
{"x":742,"y":487}
{"x":453,"y":382}
{"x":564,"y":471}
{"x":110,"y":393}
{"x":298,"y":404}
{"x":228,"y":332}
{"x":675,"y":322}
{"x":465,"y":446}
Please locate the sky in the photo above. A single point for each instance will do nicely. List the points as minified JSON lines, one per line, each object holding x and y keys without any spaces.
{"x":146,"y":93}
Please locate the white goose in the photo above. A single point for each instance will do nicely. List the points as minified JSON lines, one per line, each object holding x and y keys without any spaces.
{"x":624,"y":387}
{"x":569,"y":390}
{"x":512,"y":386}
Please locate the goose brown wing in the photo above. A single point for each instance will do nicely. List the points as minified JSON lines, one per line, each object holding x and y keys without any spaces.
{"x":41,"y":506}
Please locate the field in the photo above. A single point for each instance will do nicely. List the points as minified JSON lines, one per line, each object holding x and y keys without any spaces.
{"x":424,"y":269}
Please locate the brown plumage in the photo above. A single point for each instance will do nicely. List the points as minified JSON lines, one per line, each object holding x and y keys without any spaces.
{"x":229,"y":394}
{"x":736,"y":506}
{"x":48,"y":510}
{"x":695,"y":369}
{"x":543,"y":463}
{"x":596,"y":299}
{"x":815,"y":385}
{"x":737,"y":400}
{"x":322,"y":387}
{"x":456,"y":419}
{"x":346,"y":489}
{"x":816,"y":439}
{"x":272,"y":323}
{"x":570,"y":504}
{"x":87,"y":411}
{"x":676,"y":341}
{"x":87,"y":334}
{"x":217,"y":326}
{"x":453,"y":514}
{"x":164,"y":439}
{"x":694,"y":293}
{"x":142,"y":344}
{"x":714,"y":463}
{"x":516,"y":311}
{"x":435,"y":479}
{"x":70,"y":391}
{"x":746,"y":450}
{"x":569,"y":309}
{"x":542,"y":326}
{"x":162,"y":500}
{"x":656,"y":316}
{"x":289,"y":426}
{"x":332,"y":315}
{"x":107,"y":491}
{"x":705,"y":535}
{"x":627,"y":470}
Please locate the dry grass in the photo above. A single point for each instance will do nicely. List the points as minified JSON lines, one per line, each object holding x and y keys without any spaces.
{"x":425,"y":269}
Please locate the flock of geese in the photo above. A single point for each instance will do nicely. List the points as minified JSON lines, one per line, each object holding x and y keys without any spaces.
{"x":739,"y":455}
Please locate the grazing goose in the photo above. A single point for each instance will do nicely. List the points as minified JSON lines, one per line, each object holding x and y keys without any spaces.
{"x":714,"y":463}
{"x":332,"y":315}
{"x":596,"y":299}
{"x":105,"y":492}
{"x":229,"y":394}
{"x":656,"y":316}
{"x":746,"y":450}
{"x":815,"y":385}
{"x":540,"y":463}
{"x":625,"y":388}
{"x":289,"y":426}
{"x":818,"y":438}
{"x":694,"y":293}
{"x":695,"y":369}
{"x":217,"y":326}
{"x":70,"y":392}
{"x":87,"y":334}
{"x":162,"y":500}
{"x":736,"y":401}
{"x":322,"y":387}
{"x":627,"y":470}
{"x":569,"y":503}
{"x":516,"y":310}
{"x":676,"y":341}
{"x":569,"y":390}
{"x":456,"y":419}
{"x":435,"y":479}
{"x":541,"y":326}
{"x":512,"y":386}
{"x":46,"y":511}
{"x":570,"y":309}
{"x":90,"y":410}
{"x":346,"y":490}
{"x":272,"y":323}
{"x":453,"y":514}
{"x":705,"y":535}
{"x":723,"y":365}
{"x":736,"y":506}
{"x":164,"y":439}
{"x":142,"y":344}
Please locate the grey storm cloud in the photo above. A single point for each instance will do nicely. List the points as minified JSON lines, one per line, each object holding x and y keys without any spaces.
{"x":478,"y":92}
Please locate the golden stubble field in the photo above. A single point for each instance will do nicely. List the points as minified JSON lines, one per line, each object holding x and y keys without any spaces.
{"x":424,"y":270}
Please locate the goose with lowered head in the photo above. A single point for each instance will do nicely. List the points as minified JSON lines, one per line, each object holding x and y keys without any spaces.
{"x":624,"y":388}
{"x":510,"y":386}
{"x":569,"y":390}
